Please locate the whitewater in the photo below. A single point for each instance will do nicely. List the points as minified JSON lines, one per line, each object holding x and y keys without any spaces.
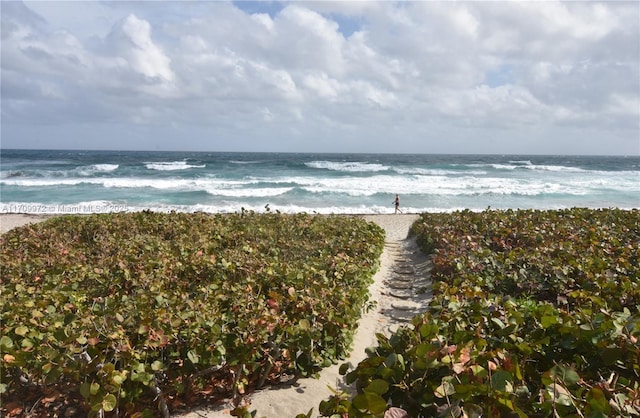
{"x":40,"y":181}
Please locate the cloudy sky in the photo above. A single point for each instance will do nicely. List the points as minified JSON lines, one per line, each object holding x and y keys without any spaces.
{"x":525,"y":77}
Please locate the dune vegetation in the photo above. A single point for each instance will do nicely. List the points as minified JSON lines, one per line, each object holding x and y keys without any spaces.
{"x":534,"y":314}
{"x":138,"y":314}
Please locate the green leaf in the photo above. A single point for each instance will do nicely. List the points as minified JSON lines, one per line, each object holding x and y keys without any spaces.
{"x":498,"y":322}
{"x":548,"y":320}
{"x":502,"y":381}
{"x":94,"y":388}
{"x":85,"y":390}
{"x":444,"y":390}
{"x":193,"y":357}
{"x":370,"y":402}
{"x":304,"y":324}
{"x":598,"y":401}
{"x":6,"y":342}
{"x":428,"y":331}
{"x":567,"y":375}
{"x":344,"y":368}
{"x":479,"y":371}
{"x":378,"y":386}
{"x":118,"y":379}
{"x":21,"y":330}
{"x":391,"y":360}
{"x":109,"y":402}
{"x":559,"y":394}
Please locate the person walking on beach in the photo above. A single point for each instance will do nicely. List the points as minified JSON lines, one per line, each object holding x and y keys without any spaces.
{"x":397,"y":203}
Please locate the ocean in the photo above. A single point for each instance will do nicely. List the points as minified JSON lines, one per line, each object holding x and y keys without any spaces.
{"x":55,"y":182}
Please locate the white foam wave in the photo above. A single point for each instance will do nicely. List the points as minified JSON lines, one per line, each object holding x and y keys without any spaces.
{"x":171,"y":165}
{"x":346,"y":166}
{"x":537,"y":167}
{"x":559,"y":168}
{"x":438,"y":172}
{"x":527,"y":165}
{"x":96,"y":168}
{"x":355,"y":185}
{"x":249,"y":192}
{"x":105,"y":167}
{"x":244,"y":162}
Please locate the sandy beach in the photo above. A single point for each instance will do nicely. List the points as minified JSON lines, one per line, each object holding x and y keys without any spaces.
{"x":12,"y":220}
{"x":288,"y":401}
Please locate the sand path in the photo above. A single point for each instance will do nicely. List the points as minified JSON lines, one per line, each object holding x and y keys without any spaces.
{"x":401,"y":290}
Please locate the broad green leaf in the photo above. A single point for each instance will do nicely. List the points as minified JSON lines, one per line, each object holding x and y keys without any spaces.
{"x":21,"y":330}
{"x":444,"y":390}
{"x":598,"y":401}
{"x":118,"y":379}
{"x":304,"y":324}
{"x":548,"y":320}
{"x":109,"y":402}
{"x":6,"y":342}
{"x":428,"y":331}
{"x":370,"y":402}
{"x":378,"y":386}
{"x":85,"y":389}
{"x":94,"y":388}
{"x":344,"y":368}
{"x":559,"y":394}
{"x":566,"y":374}
{"x":479,"y":371}
{"x":502,"y":380}
{"x":498,"y":322}
{"x":193,"y":357}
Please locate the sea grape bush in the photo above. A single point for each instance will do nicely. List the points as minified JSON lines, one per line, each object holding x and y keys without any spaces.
{"x":123,"y":310}
{"x":568,"y":257}
{"x":535,"y":314}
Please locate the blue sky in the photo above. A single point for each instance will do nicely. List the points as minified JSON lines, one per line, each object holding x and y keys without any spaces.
{"x":322,"y":76}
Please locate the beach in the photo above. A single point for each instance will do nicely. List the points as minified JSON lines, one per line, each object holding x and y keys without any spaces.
{"x":304,"y":394}
{"x":12,"y":220}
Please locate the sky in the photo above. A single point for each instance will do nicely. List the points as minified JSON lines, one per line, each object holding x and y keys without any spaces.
{"x":503,"y":77}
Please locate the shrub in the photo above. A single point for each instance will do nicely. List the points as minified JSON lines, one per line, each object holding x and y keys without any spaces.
{"x":121,"y":309}
{"x":535,"y":313}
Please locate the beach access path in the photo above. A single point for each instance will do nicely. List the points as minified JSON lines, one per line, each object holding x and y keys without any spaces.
{"x":401,"y":289}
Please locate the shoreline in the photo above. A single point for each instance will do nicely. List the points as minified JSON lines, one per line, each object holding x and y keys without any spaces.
{"x":9,"y":221}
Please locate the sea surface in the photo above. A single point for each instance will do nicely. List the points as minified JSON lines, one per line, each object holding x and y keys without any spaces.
{"x":36,"y":181}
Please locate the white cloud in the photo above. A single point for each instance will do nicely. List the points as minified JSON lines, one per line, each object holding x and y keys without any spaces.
{"x":353,"y":71}
{"x":145,"y":57}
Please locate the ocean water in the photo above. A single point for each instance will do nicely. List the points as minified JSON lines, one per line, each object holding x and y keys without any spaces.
{"x":35,"y":181}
